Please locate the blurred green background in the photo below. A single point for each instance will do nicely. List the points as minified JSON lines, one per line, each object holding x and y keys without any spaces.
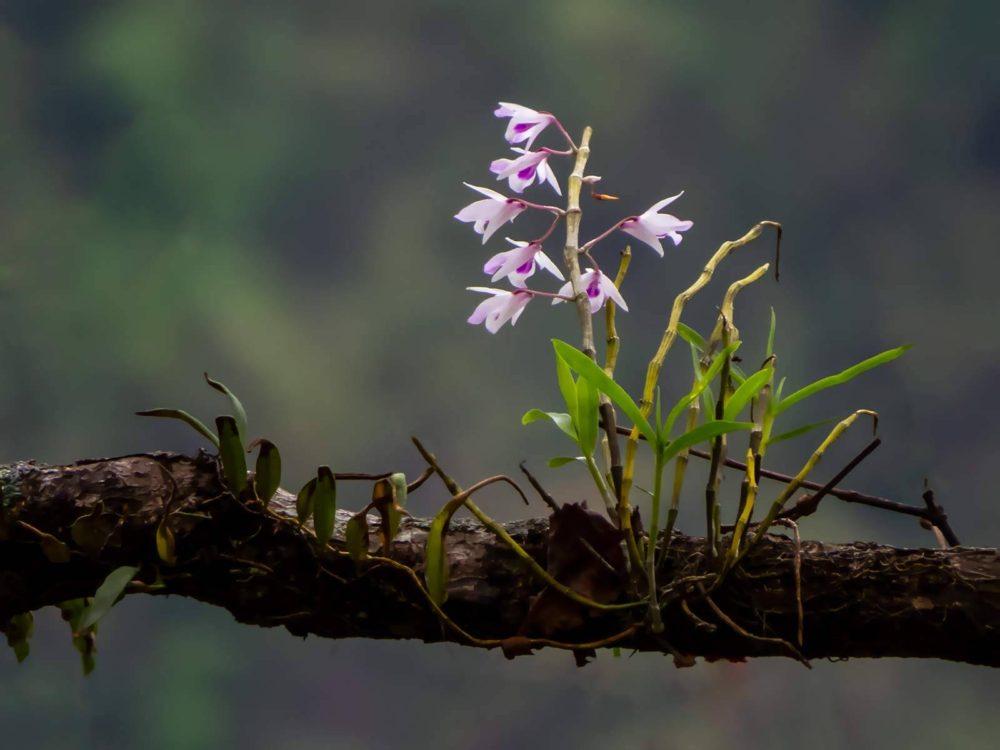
{"x":266,"y":190}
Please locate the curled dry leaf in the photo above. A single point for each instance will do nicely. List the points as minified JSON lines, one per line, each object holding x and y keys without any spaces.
{"x":585,"y":553}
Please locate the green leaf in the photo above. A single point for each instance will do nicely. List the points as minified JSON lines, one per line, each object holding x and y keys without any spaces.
{"x":19,"y":630}
{"x":799,"y":431}
{"x":324,"y":504}
{"x":701,"y":383}
{"x":107,"y":595}
{"x":356,"y":534}
{"x":750,"y":388}
{"x":695,"y":339}
{"x":398,"y":482}
{"x":239,"y":413}
{"x":267,"y":472}
{"x":770,"y":336}
{"x":166,"y":545}
{"x":84,"y":638}
{"x":707,"y":400}
{"x":234,"y":461}
{"x":567,"y":385}
{"x":563,"y":421}
{"x":736,"y":373}
{"x":435,"y":559}
{"x":840,"y":378}
{"x":587,"y":417}
{"x":183,"y":416}
{"x":555,"y":463}
{"x":591,"y":371}
{"x":700,"y":434}
{"x":304,"y":500}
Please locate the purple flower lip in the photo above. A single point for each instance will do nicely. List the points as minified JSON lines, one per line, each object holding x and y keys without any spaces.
{"x":525,"y":267}
{"x":600,"y":289}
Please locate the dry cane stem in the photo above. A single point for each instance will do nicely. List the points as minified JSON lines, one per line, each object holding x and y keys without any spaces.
{"x":669,"y":336}
{"x":571,"y":257}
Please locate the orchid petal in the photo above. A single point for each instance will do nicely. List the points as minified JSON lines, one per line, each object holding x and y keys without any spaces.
{"x":566,"y":290}
{"x":665,"y":202}
{"x":637,"y":229}
{"x":476,"y":211}
{"x":545,"y":262}
{"x":545,"y":174}
{"x":612,"y":291}
{"x":487,"y":192}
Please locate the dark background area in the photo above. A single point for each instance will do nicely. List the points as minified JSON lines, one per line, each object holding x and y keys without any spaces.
{"x":265,"y":191}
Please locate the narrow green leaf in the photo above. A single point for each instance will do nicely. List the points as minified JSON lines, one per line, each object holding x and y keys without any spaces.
{"x":166,"y":545}
{"x":555,"y":463}
{"x":356,"y":534}
{"x":695,"y":339}
{"x":267,"y":471}
{"x":435,"y":560}
{"x":19,"y":630}
{"x":780,"y":390}
{"x":587,"y":417}
{"x":84,"y":638}
{"x":840,"y":378}
{"x":750,"y":388}
{"x":770,"y":336}
{"x":239,"y":413}
{"x":324,"y":504}
{"x":563,"y":421}
{"x":567,"y":385}
{"x":398,"y":482}
{"x":700,"y":386}
{"x":107,"y":595}
{"x":707,"y":400}
{"x":736,"y":373}
{"x":589,"y":369}
{"x":304,"y":500}
{"x":799,"y":431}
{"x":183,"y":416}
{"x":234,"y":461}
{"x":700,"y":434}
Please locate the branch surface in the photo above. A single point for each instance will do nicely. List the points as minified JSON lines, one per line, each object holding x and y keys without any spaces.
{"x":858,"y":600}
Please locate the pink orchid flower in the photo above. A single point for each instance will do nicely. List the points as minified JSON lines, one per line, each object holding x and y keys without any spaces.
{"x":525,"y":169}
{"x":599,"y":288}
{"x":500,"y":307}
{"x":520,"y":263}
{"x":491,"y":213}
{"x":525,"y":123}
{"x":652,"y":226}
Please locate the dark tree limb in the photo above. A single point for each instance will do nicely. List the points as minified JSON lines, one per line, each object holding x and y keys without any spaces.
{"x":859,"y":600}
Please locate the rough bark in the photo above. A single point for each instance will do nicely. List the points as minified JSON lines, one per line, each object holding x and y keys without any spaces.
{"x":859,"y":600}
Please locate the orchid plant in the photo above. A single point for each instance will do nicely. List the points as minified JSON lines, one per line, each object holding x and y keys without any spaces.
{"x":722,"y":400}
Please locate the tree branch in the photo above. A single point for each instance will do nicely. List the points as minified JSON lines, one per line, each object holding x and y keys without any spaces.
{"x":858,"y":600}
